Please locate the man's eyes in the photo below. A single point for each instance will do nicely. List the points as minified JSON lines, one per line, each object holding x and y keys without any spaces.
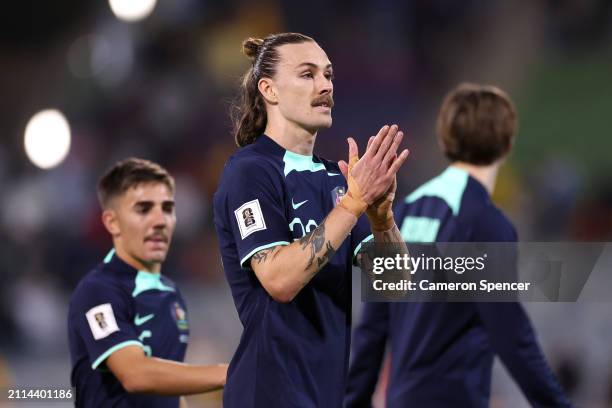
{"x":168,"y":207}
{"x":143,"y":208}
{"x":328,"y":75}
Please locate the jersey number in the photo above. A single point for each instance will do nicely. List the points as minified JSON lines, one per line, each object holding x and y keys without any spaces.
{"x":299,"y":225}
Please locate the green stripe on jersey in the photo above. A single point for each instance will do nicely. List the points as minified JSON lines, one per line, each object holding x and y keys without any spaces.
{"x":300,"y":162}
{"x":420,"y":229}
{"x":449,"y":186}
{"x":111,"y":350}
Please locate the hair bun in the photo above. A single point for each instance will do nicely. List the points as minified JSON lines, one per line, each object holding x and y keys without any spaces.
{"x":251,"y":47}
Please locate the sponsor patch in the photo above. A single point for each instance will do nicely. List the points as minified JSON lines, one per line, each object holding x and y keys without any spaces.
{"x":250,"y":218}
{"x":102,"y":321}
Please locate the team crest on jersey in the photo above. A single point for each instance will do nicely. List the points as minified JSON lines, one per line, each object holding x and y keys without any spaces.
{"x":337,"y":194}
{"x":249,"y":218}
{"x":101,"y":321}
{"x":180,"y":316}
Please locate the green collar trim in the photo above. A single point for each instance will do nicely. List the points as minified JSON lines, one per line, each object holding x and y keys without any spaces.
{"x":149,"y":281}
{"x":300,"y":162}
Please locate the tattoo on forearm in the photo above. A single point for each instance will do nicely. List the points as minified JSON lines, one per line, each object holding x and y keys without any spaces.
{"x":314,"y":243}
{"x":262,"y":255}
{"x":329,"y":254}
{"x":392,"y":244}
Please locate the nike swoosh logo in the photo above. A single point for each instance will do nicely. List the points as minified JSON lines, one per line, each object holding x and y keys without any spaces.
{"x":142,"y":320}
{"x":333,"y":174}
{"x":298,"y":205}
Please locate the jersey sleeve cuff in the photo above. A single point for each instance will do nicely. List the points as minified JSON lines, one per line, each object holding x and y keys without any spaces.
{"x":358,"y":247}
{"x":259,"y":248}
{"x":111,"y":350}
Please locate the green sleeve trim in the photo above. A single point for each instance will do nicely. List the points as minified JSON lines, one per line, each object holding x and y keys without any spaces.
{"x":366,"y":239}
{"x":111,"y":350}
{"x":259,"y":248}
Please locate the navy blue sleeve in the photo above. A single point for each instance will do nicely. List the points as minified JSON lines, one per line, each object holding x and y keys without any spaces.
{"x":360,"y":234}
{"x":255,"y":207}
{"x":514,"y":340}
{"x":369,"y":341}
{"x":101,"y":315}
{"x":511,"y":334}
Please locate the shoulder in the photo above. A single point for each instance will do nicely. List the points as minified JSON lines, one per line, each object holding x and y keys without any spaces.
{"x":249,"y":163}
{"x":98,"y":285}
{"x":249,"y":157}
{"x":492,"y":225}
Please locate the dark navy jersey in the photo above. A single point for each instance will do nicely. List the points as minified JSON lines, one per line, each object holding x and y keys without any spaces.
{"x":290,"y":354}
{"x":116,"y":306}
{"x":442,"y":353}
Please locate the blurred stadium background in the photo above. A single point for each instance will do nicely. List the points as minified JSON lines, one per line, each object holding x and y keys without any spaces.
{"x":158,"y":85}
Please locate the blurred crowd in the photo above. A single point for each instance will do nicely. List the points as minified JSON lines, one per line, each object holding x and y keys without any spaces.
{"x":162,"y":89}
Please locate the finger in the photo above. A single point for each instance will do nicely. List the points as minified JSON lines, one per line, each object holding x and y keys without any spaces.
{"x":353,"y":151}
{"x":386,"y":143}
{"x":343,"y":168}
{"x":370,"y":140}
{"x":392,"y":152}
{"x":397,"y":163}
{"x":377,"y":141}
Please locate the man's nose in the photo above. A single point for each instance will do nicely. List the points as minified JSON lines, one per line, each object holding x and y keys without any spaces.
{"x":159,"y":218}
{"x":325,"y":85}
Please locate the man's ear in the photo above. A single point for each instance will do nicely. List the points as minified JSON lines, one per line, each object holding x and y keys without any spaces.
{"x":110,"y":221}
{"x":268,"y":90}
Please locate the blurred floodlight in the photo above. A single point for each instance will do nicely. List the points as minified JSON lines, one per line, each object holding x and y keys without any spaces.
{"x":132,"y":10}
{"x":47,"y":138}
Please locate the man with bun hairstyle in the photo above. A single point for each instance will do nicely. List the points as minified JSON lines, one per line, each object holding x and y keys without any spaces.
{"x":442,"y":353}
{"x":289,"y":226}
{"x":127,"y":323}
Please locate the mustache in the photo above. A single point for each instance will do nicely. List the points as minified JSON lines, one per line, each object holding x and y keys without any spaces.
{"x":157,"y":236}
{"x":327,"y":99}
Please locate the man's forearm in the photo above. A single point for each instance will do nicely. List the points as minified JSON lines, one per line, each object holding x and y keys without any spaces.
{"x":389,"y":244}
{"x":285,"y":270}
{"x":164,"y":377}
{"x":391,"y":236}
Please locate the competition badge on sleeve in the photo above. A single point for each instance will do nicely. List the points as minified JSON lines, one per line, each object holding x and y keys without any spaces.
{"x":101,"y":321}
{"x":249,"y":218}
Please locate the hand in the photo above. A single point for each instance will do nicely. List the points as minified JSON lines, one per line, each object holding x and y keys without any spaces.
{"x":380,"y":213}
{"x":372,"y":177}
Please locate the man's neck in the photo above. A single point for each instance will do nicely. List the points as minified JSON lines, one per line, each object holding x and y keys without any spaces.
{"x":154,"y":267}
{"x":291,"y":137}
{"x":486,"y":175}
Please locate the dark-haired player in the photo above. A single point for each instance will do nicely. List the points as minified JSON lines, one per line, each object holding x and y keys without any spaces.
{"x":288,"y":229}
{"x":127,"y":323}
{"x":442,"y":353}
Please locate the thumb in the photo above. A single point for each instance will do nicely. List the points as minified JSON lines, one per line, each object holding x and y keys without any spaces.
{"x":343,"y":168}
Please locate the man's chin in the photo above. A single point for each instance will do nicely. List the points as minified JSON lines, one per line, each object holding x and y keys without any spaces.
{"x":323,"y":124}
{"x":156,"y":257}
{"x":327,"y":124}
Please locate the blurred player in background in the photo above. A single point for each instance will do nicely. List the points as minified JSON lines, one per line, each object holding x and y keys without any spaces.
{"x":288,"y":228}
{"x":442,"y":353}
{"x":127,"y":323}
